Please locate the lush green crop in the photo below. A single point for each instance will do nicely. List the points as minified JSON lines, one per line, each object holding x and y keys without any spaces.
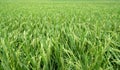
{"x":59,"y":35}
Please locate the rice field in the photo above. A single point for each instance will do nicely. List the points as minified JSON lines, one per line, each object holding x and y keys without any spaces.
{"x":59,"y":35}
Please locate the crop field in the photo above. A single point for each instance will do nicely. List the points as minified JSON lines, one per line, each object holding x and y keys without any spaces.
{"x":59,"y":35}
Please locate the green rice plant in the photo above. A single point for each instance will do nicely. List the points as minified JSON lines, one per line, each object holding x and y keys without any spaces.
{"x":59,"y":35}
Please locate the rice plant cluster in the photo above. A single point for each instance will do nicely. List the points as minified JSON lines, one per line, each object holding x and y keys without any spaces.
{"x":59,"y":35}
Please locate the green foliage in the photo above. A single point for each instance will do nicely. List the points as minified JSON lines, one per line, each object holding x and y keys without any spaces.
{"x":59,"y":36}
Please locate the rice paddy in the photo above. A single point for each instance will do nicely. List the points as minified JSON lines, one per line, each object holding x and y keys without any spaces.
{"x":59,"y":35}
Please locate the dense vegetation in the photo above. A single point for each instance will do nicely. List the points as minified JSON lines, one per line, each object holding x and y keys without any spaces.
{"x":59,"y":35}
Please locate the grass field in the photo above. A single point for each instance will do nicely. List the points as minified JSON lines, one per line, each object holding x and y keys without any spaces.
{"x":59,"y":35}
